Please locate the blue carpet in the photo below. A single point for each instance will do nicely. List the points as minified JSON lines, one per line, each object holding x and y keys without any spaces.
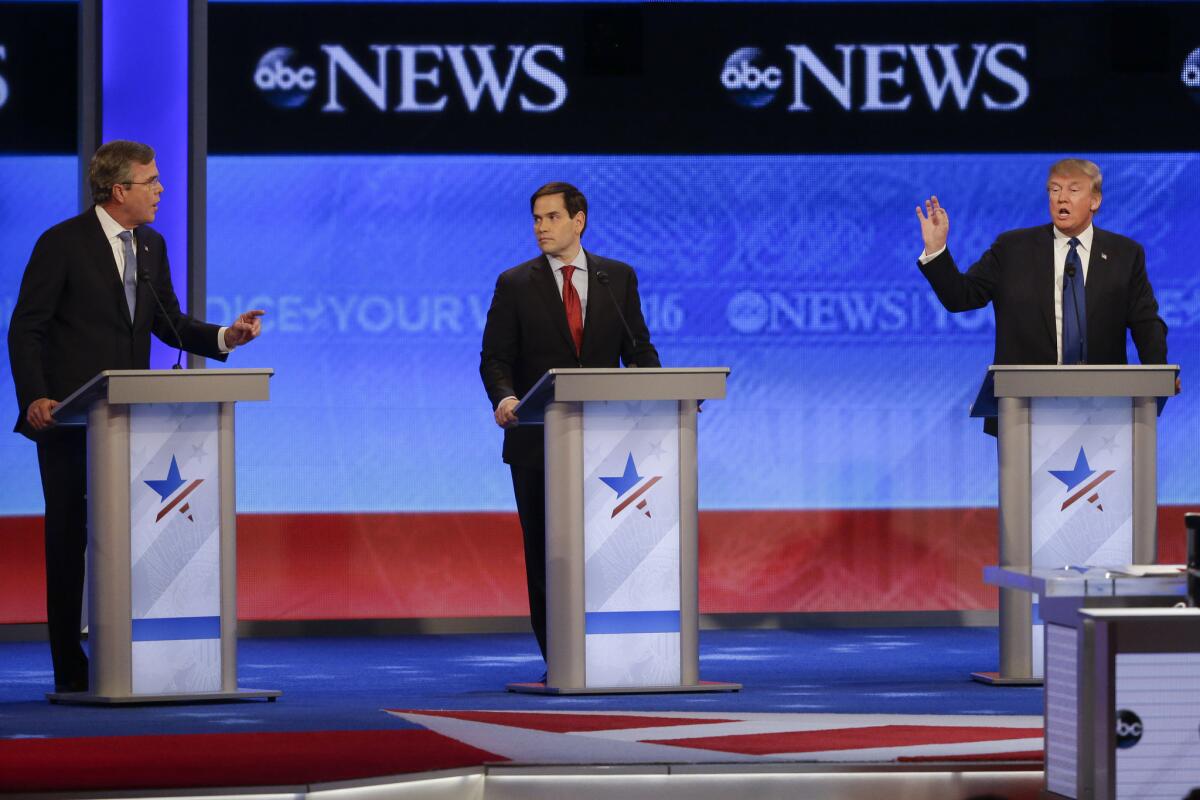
{"x":341,"y":684}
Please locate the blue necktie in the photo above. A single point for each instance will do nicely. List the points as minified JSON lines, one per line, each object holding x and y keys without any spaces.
{"x":1074,"y":309}
{"x":130,"y":272}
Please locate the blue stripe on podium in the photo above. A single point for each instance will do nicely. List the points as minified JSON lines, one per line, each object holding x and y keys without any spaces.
{"x":165,"y":629}
{"x":631,"y":622}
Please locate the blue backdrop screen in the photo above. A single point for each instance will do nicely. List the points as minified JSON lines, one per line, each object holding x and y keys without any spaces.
{"x":850,"y":384}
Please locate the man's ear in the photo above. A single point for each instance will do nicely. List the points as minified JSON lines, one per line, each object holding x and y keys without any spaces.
{"x":1095,"y":203}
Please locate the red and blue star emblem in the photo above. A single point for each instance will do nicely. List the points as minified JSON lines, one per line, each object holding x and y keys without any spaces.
{"x":174,"y":489}
{"x":626,"y":483}
{"x":1081,"y":474}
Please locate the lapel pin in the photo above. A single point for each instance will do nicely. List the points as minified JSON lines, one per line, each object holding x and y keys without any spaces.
{"x":1104,"y":256}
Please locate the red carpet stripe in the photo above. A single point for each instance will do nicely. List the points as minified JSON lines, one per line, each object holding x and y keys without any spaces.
{"x":761,"y":744}
{"x":563,"y":723}
{"x":104,"y":763}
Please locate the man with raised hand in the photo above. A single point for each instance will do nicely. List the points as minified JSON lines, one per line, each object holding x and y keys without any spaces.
{"x":1063,"y":293}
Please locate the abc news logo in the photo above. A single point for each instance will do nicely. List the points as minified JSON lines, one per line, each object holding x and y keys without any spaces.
{"x":1129,"y":729}
{"x":1190,"y":74}
{"x":883,"y":77}
{"x":3,"y":82}
{"x":418,"y":78}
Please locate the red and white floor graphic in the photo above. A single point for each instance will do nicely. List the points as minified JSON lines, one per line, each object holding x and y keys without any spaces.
{"x":557,"y":737}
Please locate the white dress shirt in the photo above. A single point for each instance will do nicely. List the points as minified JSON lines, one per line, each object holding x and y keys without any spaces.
{"x":113,"y":230}
{"x":1062,"y":246}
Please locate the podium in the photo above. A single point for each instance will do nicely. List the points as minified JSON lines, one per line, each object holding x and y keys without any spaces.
{"x":621,"y":528}
{"x":1122,"y":700}
{"x":161,"y":555}
{"x":1078,"y":481}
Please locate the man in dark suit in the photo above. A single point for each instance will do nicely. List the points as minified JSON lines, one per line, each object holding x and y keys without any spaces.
{"x":561,"y":309}
{"x":1063,"y":293}
{"x":86,"y":304}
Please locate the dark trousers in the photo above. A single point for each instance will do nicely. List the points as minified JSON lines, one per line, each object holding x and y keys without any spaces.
{"x":529,"y":486}
{"x":62,"y":459}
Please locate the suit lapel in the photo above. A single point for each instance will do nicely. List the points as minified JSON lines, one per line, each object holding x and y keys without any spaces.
{"x":593,"y":305}
{"x":1044,"y":279}
{"x":1097,"y":275}
{"x":105,"y":263}
{"x":543,"y":277}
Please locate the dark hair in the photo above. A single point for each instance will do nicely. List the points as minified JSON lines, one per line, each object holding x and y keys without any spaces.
{"x":573,"y":199}
{"x":113,"y":164}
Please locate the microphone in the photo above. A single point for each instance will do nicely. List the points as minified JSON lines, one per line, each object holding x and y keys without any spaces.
{"x":144,"y":275}
{"x":602,"y":278}
{"x":1070,"y":273}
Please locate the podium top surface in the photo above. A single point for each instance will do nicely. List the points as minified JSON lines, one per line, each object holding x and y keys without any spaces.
{"x":1157,"y":580}
{"x":130,"y":386}
{"x":595,"y":383}
{"x":1084,"y":380}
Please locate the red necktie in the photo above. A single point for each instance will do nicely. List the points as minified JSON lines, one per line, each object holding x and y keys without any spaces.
{"x":574,"y":308}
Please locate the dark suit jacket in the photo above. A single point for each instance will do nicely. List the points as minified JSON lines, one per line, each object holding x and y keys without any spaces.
{"x":71,"y":320}
{"x":1016,"y":275}
{"x":527,"y":334}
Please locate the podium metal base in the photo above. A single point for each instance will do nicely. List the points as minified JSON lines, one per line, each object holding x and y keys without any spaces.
{"x":89,"y":699}
{"x":996,"y":679}
{"x":702,"y":686}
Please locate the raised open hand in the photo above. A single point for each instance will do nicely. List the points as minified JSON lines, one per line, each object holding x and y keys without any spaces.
{"x":935,"y":225}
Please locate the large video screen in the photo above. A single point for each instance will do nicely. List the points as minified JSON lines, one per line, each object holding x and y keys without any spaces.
{"x":370,"y":178}
{"x":40,"y":178}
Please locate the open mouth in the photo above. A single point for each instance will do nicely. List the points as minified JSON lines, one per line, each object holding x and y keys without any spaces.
{"x":1063,"y":213}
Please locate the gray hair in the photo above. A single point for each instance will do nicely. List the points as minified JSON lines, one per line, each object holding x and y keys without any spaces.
{"x":113,"y":164}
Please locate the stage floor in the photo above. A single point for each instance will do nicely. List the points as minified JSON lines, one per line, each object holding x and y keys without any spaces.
{"x":357,"y":708}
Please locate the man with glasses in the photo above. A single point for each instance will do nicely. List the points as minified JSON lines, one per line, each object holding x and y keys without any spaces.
{"x":86,"y":304}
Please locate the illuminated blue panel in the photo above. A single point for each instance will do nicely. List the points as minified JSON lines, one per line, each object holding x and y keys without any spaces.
{"x":47,"y":196}
{"x":631,"y":622}
{"x":850,"y":384}
{"x":176,"y":629}
{"x":145,"y":98}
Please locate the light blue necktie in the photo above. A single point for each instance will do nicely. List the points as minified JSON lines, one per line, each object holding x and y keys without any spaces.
{"x":130,"y":272}
{"x":1074,"y":310}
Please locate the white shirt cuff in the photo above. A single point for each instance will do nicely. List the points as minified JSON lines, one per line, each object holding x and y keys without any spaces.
{"x":925,"y":259}
{"x":221,"y":339}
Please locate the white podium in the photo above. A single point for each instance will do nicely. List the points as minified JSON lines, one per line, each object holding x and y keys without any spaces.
{"x":162,"y":533}
{"x":622,"y":585}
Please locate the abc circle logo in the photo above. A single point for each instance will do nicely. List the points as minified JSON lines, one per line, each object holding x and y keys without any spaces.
{"x":284,"y":85}
{"x":3,"y":83}
{"x":1190,"y":74}
{"x":1129,"y":729}
{"x":748,"y":312}
{"x":751,"y":85}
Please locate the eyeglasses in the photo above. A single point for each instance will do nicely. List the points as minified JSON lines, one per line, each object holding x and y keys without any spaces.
{"x":152,"y":182}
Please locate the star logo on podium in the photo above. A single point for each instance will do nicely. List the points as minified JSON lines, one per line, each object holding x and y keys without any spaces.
{"x":173,"y":490}
{"x":626,"y":483}
{"x":1082,"y":474}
